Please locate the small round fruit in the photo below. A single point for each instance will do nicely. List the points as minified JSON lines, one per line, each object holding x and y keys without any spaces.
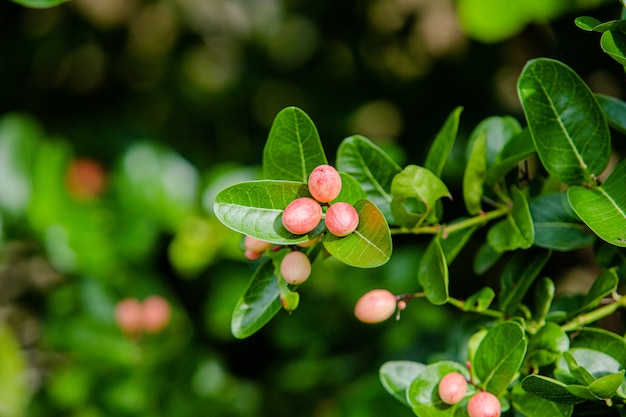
{"x":483,"y":404}
{"x":255,"y":245}
{"x":452,"y":388}
{"x":341,"y":219}
{"x":302,"y":215}
{"x":252,"y":255}
{"x":129,"y":315}
{"x":156,"y":314}
{"x":295,"y":267}
{"x":324,"y":183}
{"x":85,"y":179}
{"x":375,"y":306}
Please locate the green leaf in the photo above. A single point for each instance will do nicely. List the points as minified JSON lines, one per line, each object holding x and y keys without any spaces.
{"x":550,"y":389}
{"x":255,"y":208}
{"x":615,"y":111}
{"x":603,"y":208}
{"x":432,"y":273}
{"x":514,"y":151}
{"x":439,"y":150}
{"x":423,"y":394}
{"x":606,"y":386}
{"x":531,"y":405}
{"x":499,"y":131}
{"x":417,"y":185}
{"x":14,"y":390}
{"x":485,"y":258}
{"x":567,"y":124}
{"x":587,"y":23}
{"x":516,"y":230}
{"x":544,"y":294}
{"x":556,"y":224}
{"x":351,"y":190}
{"x":369,"y":245}
{"x":582,"y":365}
{"x":39,"y":4}
{"x":603,"y":286}
{"x":454,"y":242}
{"x":518,"y":275}
{"x":258,"y":304}
{"x":480,"y":300}
{"x":474,"y":176}
{"x":499,"y":356}
{"x":396,"y":377}
{"x":581,"y":375}
{"x":614,"y":44}
{"x":547,"y":345}
{"x":373,"y":169}
{"x":603,"y":341}
{"x":293,"y":148}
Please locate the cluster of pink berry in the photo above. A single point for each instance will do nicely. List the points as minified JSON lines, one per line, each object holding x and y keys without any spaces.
{"x":150,"y":316}
{"x":303,"y":215}
{"x":452,"y":389}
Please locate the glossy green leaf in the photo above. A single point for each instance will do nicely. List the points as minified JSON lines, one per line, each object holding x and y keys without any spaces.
{"x":439,"y":150}
{"x":531,"y":405}
{"x":396,"y":377}
{"x":580,"y":363}
{"x":544,"y":295}
{"x":581,"y":375}
{"x":499,"y":356}
{"x":603,"y":341}
{"x":499,"y":131}
{"x":547,"y":345}
{"x":518,"y":276}
{"x":369,"y":245}
{"x":258,"y":304}
{"x":615,"y":111}
{"x":614,"y":44}
{"x":587,"y":23}
{"x":293,"y":148}
{"x":516,"y":230}
{"x":255,"y":208}
{"x":416,"y":185}
{"x":480,"y":300}
{"x":474,"y":176}
{"x":606,"y":386}
{"x":592,"y":24}
{"x":556,"y":224}
{"x":432,"y":273}
{"x":372,"y":168}
{"x":550,"y":389}
{"x":454,"y":242}
{"x":568,"y":127}
{"x":351,"y":190}
{"x":602,"y":287}
{"x":423,"y":394}
{"x":603,"y":208}
{"x":485,"y":258}
{"x":514,"y":151}
{"x":14,"y":389}
{"x":39,"y":4}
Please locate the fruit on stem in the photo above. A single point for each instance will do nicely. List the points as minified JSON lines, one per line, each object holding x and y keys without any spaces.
{"x":324,"y":183}
{"x":295,"y":267}
{"x":302,"y":215}
{"x":484,"y":404}
{"x":375,"y":306}
{"x":341,"y":219}
{"x":452,"y":388}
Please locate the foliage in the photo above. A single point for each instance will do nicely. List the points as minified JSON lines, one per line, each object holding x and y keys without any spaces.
{"x":533,"y":352}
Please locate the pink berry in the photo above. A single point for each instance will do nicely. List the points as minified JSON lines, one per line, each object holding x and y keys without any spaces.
{"x":452,"y":388}
{"x":302,"y":215}
{"x":156,"y":314}
{"x":341,"y":219}
{"x":252,"y":255}
{"x":129,"y":315}
{"x":324,"y":183}
{"x":255,"y":245}
{"x":375,"y":306}
{"x":483,"y":404}
{"x":295,"y":267}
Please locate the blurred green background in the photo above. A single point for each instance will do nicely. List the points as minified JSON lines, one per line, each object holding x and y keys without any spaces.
{"x":121,"y":119}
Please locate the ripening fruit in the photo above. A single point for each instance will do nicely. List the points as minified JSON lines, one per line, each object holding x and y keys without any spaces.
{"x":156,"y":314}
{"x":302,"y":215}
{"x":129,"y":315}
{"x":483,"y":404}
{"x":295,"y":267}
{"x":341,"y":219}
{"x":85,"y":179}
{"x":252,"y":255}
{"x":324,"y":183}
{"x":255,"y":245}
{"x":452,"y":388}
{"x":375,"y":306}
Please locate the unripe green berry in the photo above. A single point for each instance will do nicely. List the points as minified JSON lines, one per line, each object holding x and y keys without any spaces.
{"x":295,"y":267}
{"x":255,"y":245}
{"x":375,"y":306}
{"x":341,"y":219}
{"x":324,"y":183}
{"x":302,"y":215}
{"x":484,"y":404}
{"x":452,"y":388}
